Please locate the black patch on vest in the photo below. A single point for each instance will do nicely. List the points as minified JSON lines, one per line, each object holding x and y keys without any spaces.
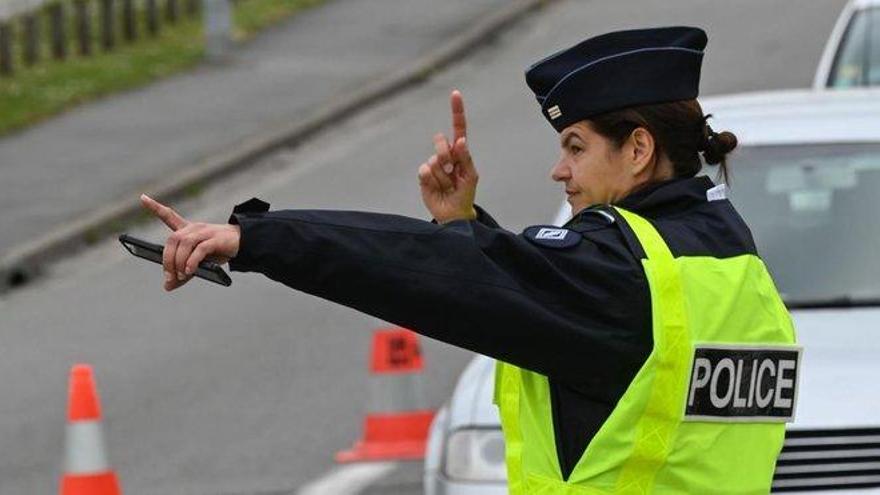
{"x":743,"y":383}
{"x":552,"y":237}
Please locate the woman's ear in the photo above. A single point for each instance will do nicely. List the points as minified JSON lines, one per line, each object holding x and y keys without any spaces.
{"x":642,"y":151}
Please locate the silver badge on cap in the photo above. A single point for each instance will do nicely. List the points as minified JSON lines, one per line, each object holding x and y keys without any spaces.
{"x":554,"y":112}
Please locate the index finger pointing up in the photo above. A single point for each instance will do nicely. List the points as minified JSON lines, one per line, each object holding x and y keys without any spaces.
{"x":459,"y":122}
{"x":166,"y":214}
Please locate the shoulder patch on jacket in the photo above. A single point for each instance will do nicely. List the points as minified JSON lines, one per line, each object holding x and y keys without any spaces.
{"x":552,"y":237}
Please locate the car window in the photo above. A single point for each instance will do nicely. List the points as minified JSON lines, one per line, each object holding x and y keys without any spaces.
{"x":813,"y":211}
{"x":857,"y":62}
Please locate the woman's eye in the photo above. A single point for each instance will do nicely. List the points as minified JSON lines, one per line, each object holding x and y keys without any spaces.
{"x":576,"y":150}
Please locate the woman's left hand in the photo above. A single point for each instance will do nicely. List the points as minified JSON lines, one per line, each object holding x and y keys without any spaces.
{"x":191,"y":243}
{"x":448,"y":180}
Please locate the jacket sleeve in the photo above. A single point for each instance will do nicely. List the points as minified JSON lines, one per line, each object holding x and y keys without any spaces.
{"x":467,"y":283}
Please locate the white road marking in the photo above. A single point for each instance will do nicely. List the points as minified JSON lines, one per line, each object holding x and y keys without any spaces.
{"x":348,"y":480}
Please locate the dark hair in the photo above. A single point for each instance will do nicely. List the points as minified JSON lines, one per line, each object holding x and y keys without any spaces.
{"x":680,"y":132}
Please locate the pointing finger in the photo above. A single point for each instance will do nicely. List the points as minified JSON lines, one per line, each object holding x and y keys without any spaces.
{"x":459,"y":122}
{"x":164,"y":213}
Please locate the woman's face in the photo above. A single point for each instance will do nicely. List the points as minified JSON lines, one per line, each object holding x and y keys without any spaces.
{"x":595,"y":171}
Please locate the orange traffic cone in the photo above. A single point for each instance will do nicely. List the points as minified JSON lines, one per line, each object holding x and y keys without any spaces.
{"x":86,"y":471}
{"x":396,"y":425}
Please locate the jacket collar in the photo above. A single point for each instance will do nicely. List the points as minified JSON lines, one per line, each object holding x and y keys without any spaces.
{"x":663,"y":198}
{"x":668,"y":197}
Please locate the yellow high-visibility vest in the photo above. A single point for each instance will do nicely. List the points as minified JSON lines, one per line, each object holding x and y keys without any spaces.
{"x":704,"y":415}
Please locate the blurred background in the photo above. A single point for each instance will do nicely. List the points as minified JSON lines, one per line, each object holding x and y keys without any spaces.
{"x":254,"y":388}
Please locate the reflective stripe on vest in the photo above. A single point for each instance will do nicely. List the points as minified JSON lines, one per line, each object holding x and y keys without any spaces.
{"x":646,"y":445}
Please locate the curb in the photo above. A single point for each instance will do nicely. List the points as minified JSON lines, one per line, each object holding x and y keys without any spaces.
{"x":24,"y":262}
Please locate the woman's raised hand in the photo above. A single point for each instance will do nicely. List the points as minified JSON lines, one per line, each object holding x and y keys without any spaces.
{"x":448,"y":179}
{"x":190,"y":243}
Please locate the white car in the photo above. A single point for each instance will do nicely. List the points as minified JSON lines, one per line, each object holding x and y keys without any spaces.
{"x":852,"y":53}
{"x":806,"y":177}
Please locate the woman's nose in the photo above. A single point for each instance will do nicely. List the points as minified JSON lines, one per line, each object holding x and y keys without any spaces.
{"x":560,"y":171}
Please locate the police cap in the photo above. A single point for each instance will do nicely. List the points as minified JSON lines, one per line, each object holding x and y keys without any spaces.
{"x":618,"y":70}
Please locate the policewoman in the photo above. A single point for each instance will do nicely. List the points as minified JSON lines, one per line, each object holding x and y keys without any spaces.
{"x":642,"y":347}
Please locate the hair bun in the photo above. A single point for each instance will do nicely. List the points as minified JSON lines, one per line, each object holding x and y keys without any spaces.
{"x":717,"y":146}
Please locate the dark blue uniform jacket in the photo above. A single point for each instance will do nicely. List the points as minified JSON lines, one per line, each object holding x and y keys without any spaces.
{"x":580,"y":315}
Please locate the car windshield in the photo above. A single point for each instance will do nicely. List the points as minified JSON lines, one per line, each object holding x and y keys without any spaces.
{"x":813,"y":211}
{"x":857,"y":62}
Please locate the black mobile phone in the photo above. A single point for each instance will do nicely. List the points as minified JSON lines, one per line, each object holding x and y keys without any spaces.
{"x":207,"y":270}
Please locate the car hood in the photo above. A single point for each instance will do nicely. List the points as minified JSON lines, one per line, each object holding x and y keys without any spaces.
{"x":837,"y":388}
{"x":838,"y":382}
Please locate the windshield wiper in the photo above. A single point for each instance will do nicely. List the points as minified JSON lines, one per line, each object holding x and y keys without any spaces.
{"x":832,"y":302}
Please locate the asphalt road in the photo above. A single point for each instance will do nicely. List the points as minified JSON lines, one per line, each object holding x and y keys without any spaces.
{"x":251,"y":389}
{"x":111,"y":148}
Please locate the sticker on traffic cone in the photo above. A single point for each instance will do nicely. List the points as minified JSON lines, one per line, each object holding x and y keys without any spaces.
{"x":396,"y":425}
{"x":86,"y":470}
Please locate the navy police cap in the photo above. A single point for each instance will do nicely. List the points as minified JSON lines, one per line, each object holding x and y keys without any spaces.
{"x":618,"y":70}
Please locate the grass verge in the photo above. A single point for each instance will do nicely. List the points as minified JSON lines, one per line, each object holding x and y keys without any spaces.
{"x":49,"y":87}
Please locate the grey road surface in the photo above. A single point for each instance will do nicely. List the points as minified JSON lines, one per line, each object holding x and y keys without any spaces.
{"x":112,"y":148}
{"x":250,"y":389}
